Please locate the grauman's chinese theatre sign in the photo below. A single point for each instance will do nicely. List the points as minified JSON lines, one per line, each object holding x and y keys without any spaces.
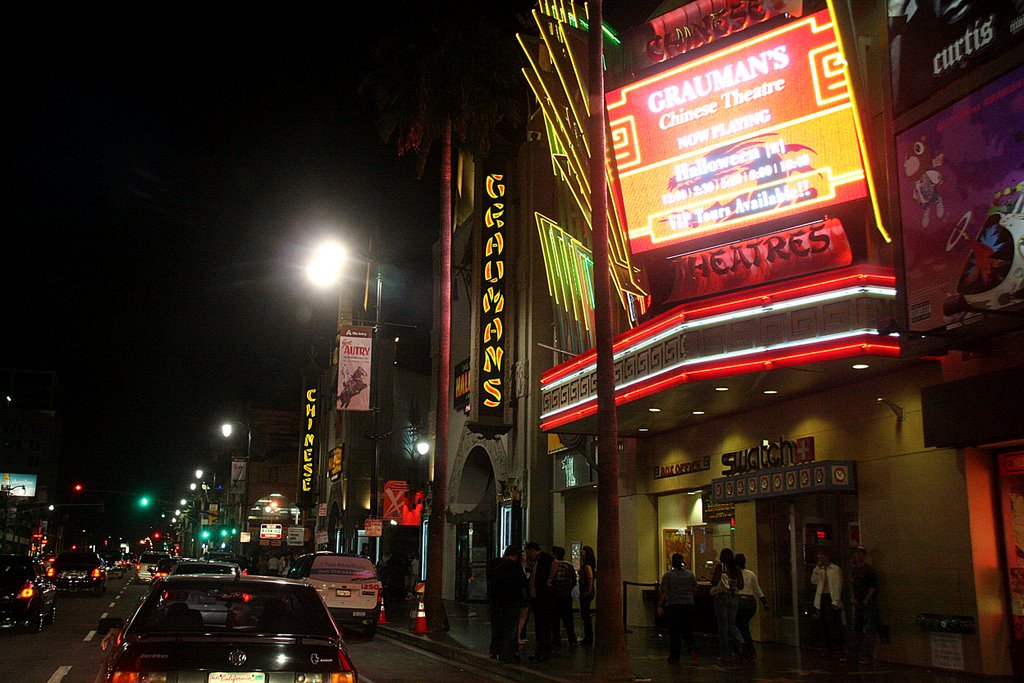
{"x":489,"y":404}
{"x":308,"y":464}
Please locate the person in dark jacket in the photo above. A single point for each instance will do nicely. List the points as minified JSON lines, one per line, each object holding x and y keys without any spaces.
{"x":541,"y":579}
{"x":508,"y":588}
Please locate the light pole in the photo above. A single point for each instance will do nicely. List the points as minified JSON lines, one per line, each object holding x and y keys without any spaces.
{"x":243,"y":505}
{"x":325,"y":270}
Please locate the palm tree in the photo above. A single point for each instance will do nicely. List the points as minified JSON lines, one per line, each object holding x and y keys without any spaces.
{"x":611,"y":660}
{"x":447,"y":72}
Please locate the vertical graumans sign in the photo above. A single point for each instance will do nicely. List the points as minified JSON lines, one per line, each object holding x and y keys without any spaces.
{"x":308,"y":454}
{"x":490,"y":353}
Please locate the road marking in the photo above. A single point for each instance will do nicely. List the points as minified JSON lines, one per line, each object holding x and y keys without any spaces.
{"x":104,"y":615}
{"x":89,"y":636}
{"x":111,"y":604}
{"x":117,"y":597}
{"x":59,"y":674}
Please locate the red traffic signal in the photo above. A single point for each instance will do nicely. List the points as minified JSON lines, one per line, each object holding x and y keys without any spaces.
{"x":77,"y":488}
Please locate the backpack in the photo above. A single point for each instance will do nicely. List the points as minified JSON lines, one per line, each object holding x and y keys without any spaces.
{"x":565,"y":579}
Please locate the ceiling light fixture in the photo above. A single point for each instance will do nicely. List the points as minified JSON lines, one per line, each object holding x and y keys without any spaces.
{"x":654,"y":410}
{"x":721,"y":388}
{"x":770,"y":391}
{"x":642,"y":429}
{"x":860,"y":366}
{"x":698,"y":412}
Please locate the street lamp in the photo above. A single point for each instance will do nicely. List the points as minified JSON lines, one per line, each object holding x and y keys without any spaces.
{"x":324,"y":270}
{"x":227,"y":429}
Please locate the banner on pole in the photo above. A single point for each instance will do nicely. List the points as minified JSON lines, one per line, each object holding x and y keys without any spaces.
{"x":354,"y":357}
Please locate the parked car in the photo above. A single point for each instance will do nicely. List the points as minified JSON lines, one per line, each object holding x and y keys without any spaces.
{"x":348,"y":584}
{"x":146,"y":566}
{"x":227,"y":628}
{"x":205,"y":567}
{"x":79,"y":570}
{"x":28,"y":599}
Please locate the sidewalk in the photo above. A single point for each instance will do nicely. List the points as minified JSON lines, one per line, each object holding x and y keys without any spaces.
{"x":468,"y":639}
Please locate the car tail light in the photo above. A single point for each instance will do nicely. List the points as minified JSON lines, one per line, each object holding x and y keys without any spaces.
{"x":136,"y":677}
{"x":96,"y":573}
{"x":27,"y":591}
{"x":138,"y":567}
{"x":335,"y":677}
{"x":50,"y":571}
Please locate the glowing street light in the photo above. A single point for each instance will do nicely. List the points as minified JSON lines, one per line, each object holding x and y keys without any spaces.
{"x":325,"y":267}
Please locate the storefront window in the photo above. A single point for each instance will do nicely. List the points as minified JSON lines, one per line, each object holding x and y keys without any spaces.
{"x":708,"y":541}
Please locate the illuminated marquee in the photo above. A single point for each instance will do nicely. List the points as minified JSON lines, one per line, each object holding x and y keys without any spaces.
{"x":758,"y":131}
{"x":489,"y":398}
{"x":308,"y":449}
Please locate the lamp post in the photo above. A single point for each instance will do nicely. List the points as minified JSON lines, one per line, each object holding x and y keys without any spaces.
{"x":325,"y":270}
{"x":243,"y":512}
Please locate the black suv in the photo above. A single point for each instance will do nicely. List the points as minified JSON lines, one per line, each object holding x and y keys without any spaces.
{"x":79,"y":570}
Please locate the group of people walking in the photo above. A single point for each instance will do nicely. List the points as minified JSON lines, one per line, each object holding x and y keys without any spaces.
{"x":533,"y":582}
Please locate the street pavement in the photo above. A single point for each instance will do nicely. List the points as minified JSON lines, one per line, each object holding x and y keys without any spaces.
{"x":468,"y":638}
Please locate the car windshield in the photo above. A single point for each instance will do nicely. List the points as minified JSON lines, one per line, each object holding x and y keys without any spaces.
{"x":214,"y":606}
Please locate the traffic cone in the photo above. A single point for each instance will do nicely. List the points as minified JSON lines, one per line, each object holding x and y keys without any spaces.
{"x":421,"y":618}
{"x":382,"y":616}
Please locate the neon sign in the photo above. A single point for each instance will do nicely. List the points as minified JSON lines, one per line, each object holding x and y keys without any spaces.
{"x":489,"y":398}
{"x":758,"y":131}
{"x":308,"y":447}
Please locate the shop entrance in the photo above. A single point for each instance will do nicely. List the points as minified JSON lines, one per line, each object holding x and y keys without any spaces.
{"x":790,"y":533}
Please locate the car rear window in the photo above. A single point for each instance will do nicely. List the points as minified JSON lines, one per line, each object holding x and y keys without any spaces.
{"x":339,"y":568}
{"x":13,"y":571}
{"x":200,"y":568}
{"x":78,"y":560}
{"x":151,"y":558}
{"x":214,"y":606}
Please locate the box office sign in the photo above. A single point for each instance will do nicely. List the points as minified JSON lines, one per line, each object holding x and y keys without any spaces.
{"x":813,"y":477}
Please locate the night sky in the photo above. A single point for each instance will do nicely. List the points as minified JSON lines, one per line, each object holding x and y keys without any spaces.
{"x":168,"y":176}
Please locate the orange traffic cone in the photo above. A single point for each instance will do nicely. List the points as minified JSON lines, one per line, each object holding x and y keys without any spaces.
{"x":421,"y":618}
{"x":382,"y":616}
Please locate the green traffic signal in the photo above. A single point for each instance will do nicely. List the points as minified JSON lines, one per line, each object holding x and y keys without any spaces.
{"x":204,"y":534}
{"x":144,"y":502}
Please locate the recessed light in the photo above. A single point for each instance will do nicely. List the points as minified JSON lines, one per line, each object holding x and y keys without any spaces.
{"x":721,"y":388}
{"x":698,"y":412}
{"x":861,"y":366}
{"x":654,"y":410}
{"x":642,"y":429}
{"x":770,"y":391}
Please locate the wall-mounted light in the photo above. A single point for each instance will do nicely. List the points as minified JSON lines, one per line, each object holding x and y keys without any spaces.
{"x":896,"y":409}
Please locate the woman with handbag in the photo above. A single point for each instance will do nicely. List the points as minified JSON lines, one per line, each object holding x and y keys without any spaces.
{"x":725,"y":586}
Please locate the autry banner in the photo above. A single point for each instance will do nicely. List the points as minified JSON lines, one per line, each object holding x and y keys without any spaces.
{"x":355,"y":355}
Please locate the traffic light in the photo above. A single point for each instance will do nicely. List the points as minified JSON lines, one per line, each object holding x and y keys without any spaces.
{"x":144,"y":502}
{"x":77,"y":488}
{"x":204,"y":534}
{"x":156,"y":535}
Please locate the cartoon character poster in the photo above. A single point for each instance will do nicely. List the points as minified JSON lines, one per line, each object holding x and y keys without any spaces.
{"x":961,"y":180}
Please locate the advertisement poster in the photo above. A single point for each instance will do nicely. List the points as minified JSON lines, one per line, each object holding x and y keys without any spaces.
{"x":961,"y":182}
{"x":19,"y":485}
{"x":758,"y":131}
{"x":355,"y":355}
{"x":934,"y":42}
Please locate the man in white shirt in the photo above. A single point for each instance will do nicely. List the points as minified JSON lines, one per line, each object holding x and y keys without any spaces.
{"x":274,"y":565}
{"x":827,"y":577}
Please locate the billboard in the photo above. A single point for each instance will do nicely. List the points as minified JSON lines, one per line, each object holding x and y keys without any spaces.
{"x":355,"y":354}
{"x":18,"y":485}
{"x":931,"y":44}
{"x":961,"y":184}
{"x":761,"y":130}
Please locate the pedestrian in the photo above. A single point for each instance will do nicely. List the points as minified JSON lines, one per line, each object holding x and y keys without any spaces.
{"x":261,"y":565}
{"x":494,"y":649}
{"x":748,"y":597}
{"x":414,"y":574}
{"x":524,"y":610}
{"x":725,"y":586}
{"x":286,"y":564}
{"x":588,"y":586}
{"x":827,"y":579}
{"x":393,"y":580}
{"x":273,"y":565}
{"x":541,"y":578}
{"x":676,"y":605}
{"x":864,"y":597}
{"x":507,"y":587}
{"x":561,"y":598}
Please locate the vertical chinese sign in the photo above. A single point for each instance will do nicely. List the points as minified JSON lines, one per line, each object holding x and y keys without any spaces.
{"x":489,"y":395}
{"x":355,"y":353}
{"x":308,"y":463}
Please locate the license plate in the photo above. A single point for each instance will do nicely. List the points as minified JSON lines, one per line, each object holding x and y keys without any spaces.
{"x":359,"y":614}
{"x":343,"y":593}
{"x":237,"y":677}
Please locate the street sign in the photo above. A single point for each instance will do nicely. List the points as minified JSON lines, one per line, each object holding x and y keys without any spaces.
{"x":296,"y":534}
{"x":244,"y":537}
{"x":271,"y":531}
{"x":374,"y":526}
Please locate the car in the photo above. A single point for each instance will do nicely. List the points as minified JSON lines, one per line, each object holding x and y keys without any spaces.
{"x":216,"y":628}
{"x":79,"y":570}
{"x":348,"y":584}
{"x":164,"y":567}
{"x":146,"y":565}
{"x":28,"y":599}
{"x":219,"y":556}
{"x":205,"y":567}
{"x":115,"y":566}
